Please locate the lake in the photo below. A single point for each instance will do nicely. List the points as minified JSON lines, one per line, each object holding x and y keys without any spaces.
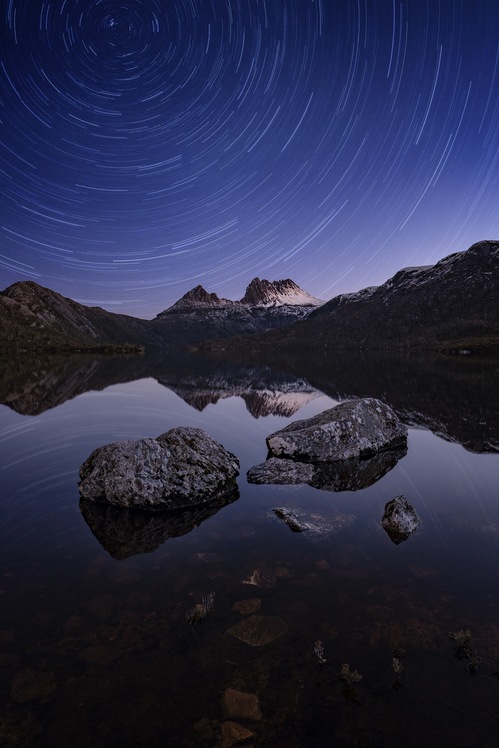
{"x":120,"y":629}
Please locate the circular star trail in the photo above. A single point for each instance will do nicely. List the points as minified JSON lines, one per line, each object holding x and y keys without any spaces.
{"x":147,"y":146}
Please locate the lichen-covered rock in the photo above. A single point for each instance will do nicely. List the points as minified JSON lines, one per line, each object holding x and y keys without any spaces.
{"x":399,"y":519}
{"x":357,"y":428}
{"x":183,"y":467}
{"x":281,"y":472}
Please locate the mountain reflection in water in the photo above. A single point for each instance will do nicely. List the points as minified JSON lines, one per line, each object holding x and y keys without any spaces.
{"x":455,"y":399}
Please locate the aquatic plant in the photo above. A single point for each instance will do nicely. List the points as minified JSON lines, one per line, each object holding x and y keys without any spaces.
{"x":462,"y":643}
{"x":473,"y":665}
{"x":319,"y":651}
{"x":398,"y":655}
{"x":463,"y":651}
{"x":349,"y":676}
{"x":201,"y":610}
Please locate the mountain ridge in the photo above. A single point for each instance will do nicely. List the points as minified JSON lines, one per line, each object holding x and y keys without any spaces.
{"x":35,"y":318}
{"x":259,"y":294}
{"x":451,"y":306}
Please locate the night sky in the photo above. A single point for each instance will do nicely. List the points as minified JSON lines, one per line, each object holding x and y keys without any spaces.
{"x":150,"y":145}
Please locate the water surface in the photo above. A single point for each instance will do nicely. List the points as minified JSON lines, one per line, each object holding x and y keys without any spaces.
{"x":96,"y":607}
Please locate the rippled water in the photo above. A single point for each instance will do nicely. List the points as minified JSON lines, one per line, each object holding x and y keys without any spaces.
{"x":98,"y":645}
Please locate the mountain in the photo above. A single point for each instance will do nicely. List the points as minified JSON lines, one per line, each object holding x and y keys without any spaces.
{"x":450,"y":306}
{"x":35,"y":318}
{"x":264,"y":293}
{"x":197,"y":297}
{"x":282,"y":295}
{"x":200,"y":316}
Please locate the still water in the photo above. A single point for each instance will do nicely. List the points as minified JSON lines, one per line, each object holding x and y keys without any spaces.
{"x":98,"y":643}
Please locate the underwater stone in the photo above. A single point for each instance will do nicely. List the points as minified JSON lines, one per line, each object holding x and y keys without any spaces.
{"x":247,"y":606}
{"x":32,"y":685}
{"x":241,"y":705}
{"x":314,"y":526}
{"x":290,"y":519}
{"x":258,"y":630}
{"x":233,"y":733}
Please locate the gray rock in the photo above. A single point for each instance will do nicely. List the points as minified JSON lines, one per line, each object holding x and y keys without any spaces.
{"x":281,"y":472}
{"x":183,"y":467}
{"x":290,"y":519}
{"x":341,"y":475}
{"x":357,"y":428}
{"x":399,"y":519}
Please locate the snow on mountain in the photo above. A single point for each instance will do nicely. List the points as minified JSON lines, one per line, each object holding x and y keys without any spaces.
{"x":277,"y":293}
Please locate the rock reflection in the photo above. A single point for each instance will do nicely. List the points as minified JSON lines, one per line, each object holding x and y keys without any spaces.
{"x":343,"y":475}
{"x":127,"y":532}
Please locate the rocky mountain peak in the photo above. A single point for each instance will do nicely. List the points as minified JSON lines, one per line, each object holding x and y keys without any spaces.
{"x":277,"y":293}
{"x":199,"y":295}
{"x":23,"y":290}
{"x":194,"y":300}
{"x":260,"y":294}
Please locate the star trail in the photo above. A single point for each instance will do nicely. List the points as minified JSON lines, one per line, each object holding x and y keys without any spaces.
{"x":147,"y":146}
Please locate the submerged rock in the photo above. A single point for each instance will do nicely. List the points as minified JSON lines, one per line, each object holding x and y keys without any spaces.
{"x":290,"y":519}
{"x":247,"y":606}
{"x":32,"y":685}
{"x":314,"y":526}
{"x":241,"y":705}
{"x":357,"y":428}
{"x":399,"y":519}
{"x":341,"y":475}
{"x":233,"y":733}
{"x":263,"y":576}
{"x":181,"y":468}
{"x":258,"y":630}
